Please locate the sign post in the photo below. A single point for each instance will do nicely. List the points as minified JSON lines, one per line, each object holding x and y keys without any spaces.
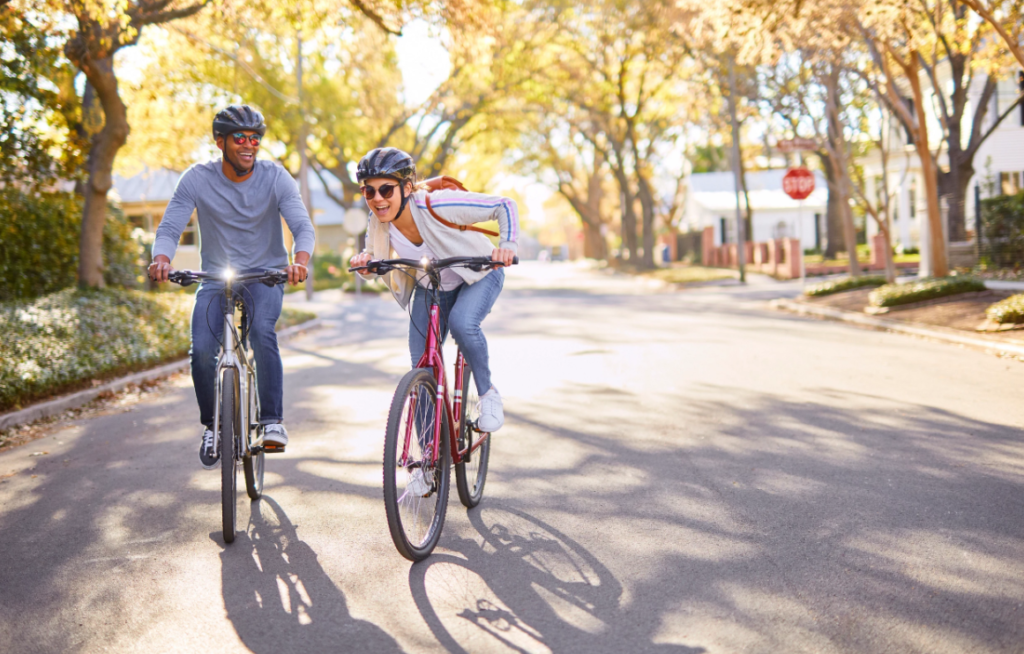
{"x":798,"y":183}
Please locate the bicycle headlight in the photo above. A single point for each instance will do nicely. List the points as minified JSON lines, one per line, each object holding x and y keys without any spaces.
{"x":228,"y":274}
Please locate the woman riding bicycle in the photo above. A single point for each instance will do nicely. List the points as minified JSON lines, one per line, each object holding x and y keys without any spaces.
{"x":405,"y":223}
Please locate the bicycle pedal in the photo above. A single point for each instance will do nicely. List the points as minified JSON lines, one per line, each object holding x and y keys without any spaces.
{"x":273,"y":449}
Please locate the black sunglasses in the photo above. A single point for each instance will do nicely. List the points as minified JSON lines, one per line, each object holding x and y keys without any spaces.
{"x":385,"y":190}
{"x":240,"y":138}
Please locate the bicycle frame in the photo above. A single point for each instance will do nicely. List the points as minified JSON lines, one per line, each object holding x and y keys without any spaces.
{"x":233,"y":355}
{"x":433,"y":358}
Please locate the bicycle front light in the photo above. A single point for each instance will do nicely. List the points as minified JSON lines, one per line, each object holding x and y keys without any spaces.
{"x":228,"y":274}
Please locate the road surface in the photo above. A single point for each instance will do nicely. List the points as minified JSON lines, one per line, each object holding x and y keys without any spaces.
{"x":680,"y":472}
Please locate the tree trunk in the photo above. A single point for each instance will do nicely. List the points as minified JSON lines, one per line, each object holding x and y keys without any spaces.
{"x":100,"y":73}
{"x":837,"y":150}
{"x":936,"y":234}
{"x":834,"y":241}
{"x":594,"y":244}
{"x":646,"y":197}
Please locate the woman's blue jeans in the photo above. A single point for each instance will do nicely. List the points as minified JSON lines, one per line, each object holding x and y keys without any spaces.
{"x":462,"y":311}
{"x":263,"y":304}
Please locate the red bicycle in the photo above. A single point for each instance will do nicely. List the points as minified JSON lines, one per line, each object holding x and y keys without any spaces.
{"x":427,"y":431}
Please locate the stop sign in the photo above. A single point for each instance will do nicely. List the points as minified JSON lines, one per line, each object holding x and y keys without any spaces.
{"x":798,"y":183}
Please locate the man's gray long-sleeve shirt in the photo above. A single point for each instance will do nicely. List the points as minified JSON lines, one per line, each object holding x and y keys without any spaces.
{"x":239,"y":222}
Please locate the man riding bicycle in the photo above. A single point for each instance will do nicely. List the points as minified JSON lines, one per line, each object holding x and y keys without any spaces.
{"x":239,"y":202}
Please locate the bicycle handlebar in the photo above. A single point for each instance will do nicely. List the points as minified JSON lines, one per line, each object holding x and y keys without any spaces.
{"x":189,"y":277}
{"x":382,"y":266}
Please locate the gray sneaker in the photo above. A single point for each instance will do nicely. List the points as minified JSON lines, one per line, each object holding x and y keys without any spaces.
{"x":275,"y":437}
{"x":208,"y":456}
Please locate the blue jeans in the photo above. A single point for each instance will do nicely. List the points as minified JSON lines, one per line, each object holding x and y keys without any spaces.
{"x":462,"y":311}
{"x":263,"y":305}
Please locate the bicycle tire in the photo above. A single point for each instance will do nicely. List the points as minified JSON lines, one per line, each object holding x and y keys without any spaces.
{"x":415,"y":520}
{"x":228,"y":430}
{"x":471,"y":475}
{"x":253,"y":465}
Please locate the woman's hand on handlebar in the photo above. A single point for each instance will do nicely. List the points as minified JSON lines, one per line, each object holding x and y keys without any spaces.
{"x":360,"y":260}
{"x":503,"y":255}
{"x":160,"y":268}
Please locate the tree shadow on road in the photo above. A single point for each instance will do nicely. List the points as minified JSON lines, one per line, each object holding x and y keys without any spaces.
{"x":524,"y":586}
{"x":280,"y":599}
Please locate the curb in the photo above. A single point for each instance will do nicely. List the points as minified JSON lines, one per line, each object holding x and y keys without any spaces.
{"x":75,"y":400}
{"x":896,"y":326}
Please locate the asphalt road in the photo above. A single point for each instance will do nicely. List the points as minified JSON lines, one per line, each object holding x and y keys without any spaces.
{"x":680,"y":472}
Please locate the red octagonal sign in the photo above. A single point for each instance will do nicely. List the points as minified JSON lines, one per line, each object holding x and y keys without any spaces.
{"x":798,"y":183}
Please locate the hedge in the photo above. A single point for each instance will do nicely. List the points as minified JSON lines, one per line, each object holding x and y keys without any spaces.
{"x":1002,"y":219}
{"x":892,"y":295}
{"x":1008,"y":311}
{"x":39,"y":235}
{"x":65,"y":340}
{"x":844,"y":284}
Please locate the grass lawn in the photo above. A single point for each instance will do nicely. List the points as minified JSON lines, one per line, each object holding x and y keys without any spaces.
{"x":690,"y":274}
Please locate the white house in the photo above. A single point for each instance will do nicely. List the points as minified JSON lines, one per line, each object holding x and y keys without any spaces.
{"x":711,"y":201}
{"x":998,"y":164}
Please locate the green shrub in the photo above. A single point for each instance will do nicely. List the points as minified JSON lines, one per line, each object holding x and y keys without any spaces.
{"x":892,"y":295}
{"x":66,"y":338}
{"x":39,"y":235}
{"x":844,"y":284}
{"x":1008,"y":311}
{"x":1002,"y":224}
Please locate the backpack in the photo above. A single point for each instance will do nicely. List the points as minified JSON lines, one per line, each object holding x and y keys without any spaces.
{"x":450,"y":184}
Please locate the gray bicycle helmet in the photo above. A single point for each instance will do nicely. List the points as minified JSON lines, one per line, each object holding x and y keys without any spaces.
{"x":238,"y":118}
{"x":386,"y":162}
{"x":390,"y":163}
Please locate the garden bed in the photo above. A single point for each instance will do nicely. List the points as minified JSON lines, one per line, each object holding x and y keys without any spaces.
{"x":71,"y":340}
{"x":964,"y":312}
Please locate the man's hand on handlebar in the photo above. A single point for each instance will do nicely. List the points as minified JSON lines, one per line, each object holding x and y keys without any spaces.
{"x":503,"y":255}
{"x":160,"y":268}
{"x":297,"y":272}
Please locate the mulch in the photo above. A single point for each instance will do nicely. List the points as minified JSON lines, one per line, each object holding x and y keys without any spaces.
{"x":964,"y":312}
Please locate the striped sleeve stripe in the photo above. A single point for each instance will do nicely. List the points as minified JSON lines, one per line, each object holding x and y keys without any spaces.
{"x":513,"y":222}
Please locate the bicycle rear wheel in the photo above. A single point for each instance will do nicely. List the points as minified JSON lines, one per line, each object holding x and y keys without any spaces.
{"x":253,"y":463}
{"x":471,"y":473}
{"x":415,"y":490}
{"x":228,"y":430}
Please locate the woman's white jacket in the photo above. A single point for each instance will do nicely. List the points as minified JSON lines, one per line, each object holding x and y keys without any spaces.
{"x":459,"y":207}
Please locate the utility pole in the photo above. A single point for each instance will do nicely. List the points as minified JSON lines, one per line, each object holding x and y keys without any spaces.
{"x":304,"y":159}
{"x":741,"y":239}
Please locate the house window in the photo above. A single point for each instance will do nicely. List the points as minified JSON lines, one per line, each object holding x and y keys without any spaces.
{"x":1009,"y":183}
{"x":912,"y":192}
{"x":723,"y":230}
{"x":1020,"y":87}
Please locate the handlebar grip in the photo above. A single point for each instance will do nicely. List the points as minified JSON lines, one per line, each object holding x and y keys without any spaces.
{"x":515,"y":260}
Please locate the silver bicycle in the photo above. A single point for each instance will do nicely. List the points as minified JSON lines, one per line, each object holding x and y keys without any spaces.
{"x":238,"y":435}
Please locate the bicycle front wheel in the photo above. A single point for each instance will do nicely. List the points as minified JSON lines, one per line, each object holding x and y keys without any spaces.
{"x":415,"y":489}
{"x":228,"y":430}
{"x":471,"y":472}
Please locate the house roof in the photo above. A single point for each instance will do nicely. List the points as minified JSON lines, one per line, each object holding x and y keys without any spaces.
{"x":715,"y":191}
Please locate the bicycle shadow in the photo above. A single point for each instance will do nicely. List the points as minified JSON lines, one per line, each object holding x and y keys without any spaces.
{"x":526,"y":587}
{"x":280,"y":599}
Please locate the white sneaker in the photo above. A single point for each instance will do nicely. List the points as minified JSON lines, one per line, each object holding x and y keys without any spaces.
{"x":492,"y":416}
{"x":275,"y":436}
{"x":418,"y":485}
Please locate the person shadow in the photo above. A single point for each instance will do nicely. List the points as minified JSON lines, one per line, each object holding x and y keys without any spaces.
{"x":521,"y":585}
{"x":280,"y":599}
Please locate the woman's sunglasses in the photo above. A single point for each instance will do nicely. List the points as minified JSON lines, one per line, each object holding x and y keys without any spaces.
{"x":385,"y":190}
{"x":240,"y":138}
